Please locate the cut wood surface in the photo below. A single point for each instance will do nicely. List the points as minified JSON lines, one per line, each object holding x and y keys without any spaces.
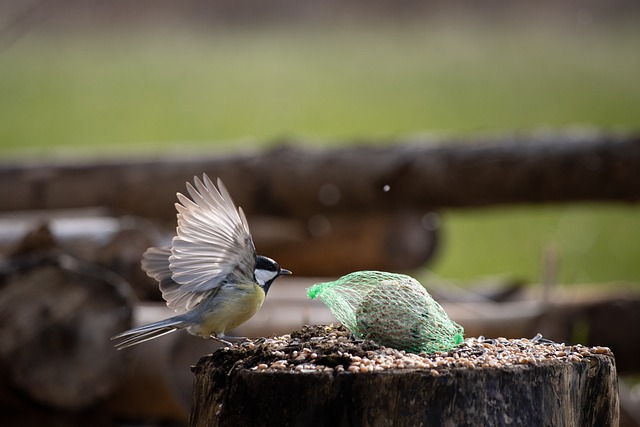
{"x":54,"y":341}
{"x":300,"y":182}
{"x":57,"y":314}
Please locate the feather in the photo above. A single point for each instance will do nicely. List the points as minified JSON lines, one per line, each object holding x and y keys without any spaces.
{"x":148,"y":332}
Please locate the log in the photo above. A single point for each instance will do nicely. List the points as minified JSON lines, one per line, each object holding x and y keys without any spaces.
{"x":338,"y":244}
{"x":94,"y":236}
{"x":319,"y":377}
{"x":57,"y":315}
{"x":323,"y":244}
{"x":301,"y":182}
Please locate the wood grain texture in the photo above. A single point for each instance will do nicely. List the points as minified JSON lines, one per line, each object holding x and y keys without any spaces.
{"x":549,"y":394}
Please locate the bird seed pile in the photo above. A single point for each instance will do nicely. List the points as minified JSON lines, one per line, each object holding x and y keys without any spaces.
{"x":331,"y":348}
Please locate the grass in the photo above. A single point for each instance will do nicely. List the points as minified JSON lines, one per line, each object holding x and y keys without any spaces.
{"x":169,"y":90}
{"x":157,"y":89}
{"x":592,"y":243}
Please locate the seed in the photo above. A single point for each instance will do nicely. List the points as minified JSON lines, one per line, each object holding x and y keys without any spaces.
{"x":601,"y":350}
{"x":262,"y":366}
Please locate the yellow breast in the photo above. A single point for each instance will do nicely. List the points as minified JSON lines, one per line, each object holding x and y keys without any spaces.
{"x":235,"y":305}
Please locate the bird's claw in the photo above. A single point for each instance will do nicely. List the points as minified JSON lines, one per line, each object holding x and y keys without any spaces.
{"x":229,"y":341}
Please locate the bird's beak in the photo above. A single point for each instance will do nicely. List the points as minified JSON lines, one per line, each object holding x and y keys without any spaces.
{"x":284,"y":271}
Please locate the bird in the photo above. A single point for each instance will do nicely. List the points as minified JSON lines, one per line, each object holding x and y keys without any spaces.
{"x":210,"y":275}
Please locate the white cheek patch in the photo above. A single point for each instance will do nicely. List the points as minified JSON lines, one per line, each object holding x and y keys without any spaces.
{"x":264,"y":276}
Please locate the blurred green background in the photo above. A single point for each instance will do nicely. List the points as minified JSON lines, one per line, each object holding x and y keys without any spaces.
{"x":89,"y":83}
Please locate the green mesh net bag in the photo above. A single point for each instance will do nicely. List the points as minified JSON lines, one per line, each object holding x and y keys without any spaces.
{"x":393,"y":310}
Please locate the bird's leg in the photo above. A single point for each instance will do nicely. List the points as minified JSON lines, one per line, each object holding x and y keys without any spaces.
{"x":220,"y":340}
{"x":228,"y":341}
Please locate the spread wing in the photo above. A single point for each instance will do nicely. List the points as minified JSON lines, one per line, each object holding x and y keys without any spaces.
{"x":213,"y":243}
{"x":155,"y":262}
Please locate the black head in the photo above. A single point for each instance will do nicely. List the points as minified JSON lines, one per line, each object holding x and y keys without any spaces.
{"x":266,"y":271}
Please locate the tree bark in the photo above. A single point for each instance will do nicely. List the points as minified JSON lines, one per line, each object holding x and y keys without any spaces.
{"x":550,"y":394}
{"x":302,"y":182}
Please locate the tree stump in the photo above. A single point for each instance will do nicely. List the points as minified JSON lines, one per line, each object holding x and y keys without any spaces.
{"x":320,"y":376}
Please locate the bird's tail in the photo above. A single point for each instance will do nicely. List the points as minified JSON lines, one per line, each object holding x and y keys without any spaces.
{"x":148,"y":332}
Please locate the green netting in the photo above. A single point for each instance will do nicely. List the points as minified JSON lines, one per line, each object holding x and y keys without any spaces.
{"x":391,"y":309}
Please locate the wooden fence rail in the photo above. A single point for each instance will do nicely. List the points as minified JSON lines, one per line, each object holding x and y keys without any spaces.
{"x":295,"y":181}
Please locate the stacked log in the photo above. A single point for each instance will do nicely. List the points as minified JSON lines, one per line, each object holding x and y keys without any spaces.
{"x":57,"y":315}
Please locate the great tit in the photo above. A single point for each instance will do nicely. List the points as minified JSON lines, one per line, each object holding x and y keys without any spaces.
{"x":211,"y":274}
